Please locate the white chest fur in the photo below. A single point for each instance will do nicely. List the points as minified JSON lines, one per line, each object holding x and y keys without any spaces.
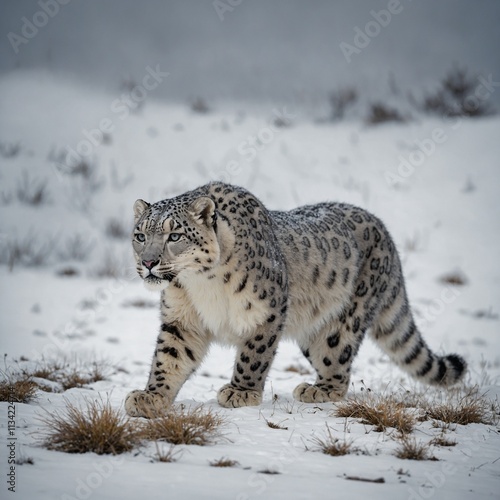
{"x":227,"y":314}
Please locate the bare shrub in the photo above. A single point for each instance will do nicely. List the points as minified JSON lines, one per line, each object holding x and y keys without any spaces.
{"x":280,"y":122}
{"x":456,"y":96}
{"x":199,"y":105}
{"x":9,"y":149}
{"x":32,"y":191}
{"x":67,"y":272}
{"x":340,"y":100}
{"x":84,"y":168}
{"x":115,"y":228}
{"x":76,"y":247}
{"x":27,"y":251}
{"x":129,"y":84}
{"x":81,"y":195}
{"x":97,"y":428}
{"x":57,"y":155}
{"x":83,"y":182}
{"x":22,"y":459}
{"x":6,"y":198}
{"x":380,"y":113}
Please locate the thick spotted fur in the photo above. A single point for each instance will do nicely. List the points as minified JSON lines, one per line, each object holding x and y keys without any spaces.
{"x":231,"y":271}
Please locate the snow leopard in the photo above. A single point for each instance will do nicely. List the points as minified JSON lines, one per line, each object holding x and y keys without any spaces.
{"x":233,"y":272}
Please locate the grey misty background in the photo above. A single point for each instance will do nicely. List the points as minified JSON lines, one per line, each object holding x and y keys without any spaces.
{"x":263,"y":51}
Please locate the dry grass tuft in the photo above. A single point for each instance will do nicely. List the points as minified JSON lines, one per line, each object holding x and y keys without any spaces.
{"x":411,"y":399}
{"x":268,"y":471}
{"x":167,"y":455}
{"x":17,"y":390}
{"x":182,"y":425}
{"x":22,"y":460}
{"x":141,"y":303}
{"x":71,"y":372}
{"x":97,"y":428}
{"x":224,"y":462}
{"x":380,"y":411}
{"x":330,"y":445}
{"x":442,"y":440}
{"x":274,"y":425}
{"x":411,"y":449}
{"x":463,"y":409}
{"x":456,"y":278}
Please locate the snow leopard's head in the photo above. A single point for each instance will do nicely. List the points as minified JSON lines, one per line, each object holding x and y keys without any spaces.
{"x":174,"y":236}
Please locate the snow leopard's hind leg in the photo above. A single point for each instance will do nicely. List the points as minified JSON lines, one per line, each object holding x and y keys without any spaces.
{"x":331,"y":354}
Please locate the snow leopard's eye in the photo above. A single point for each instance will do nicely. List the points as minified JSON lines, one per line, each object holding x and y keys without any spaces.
{"x":174,"y":237}
{"x":140,"y":237}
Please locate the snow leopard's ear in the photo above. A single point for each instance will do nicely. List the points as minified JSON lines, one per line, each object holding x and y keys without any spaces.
{"x":140,"y":207}
{"x":203,"y":211}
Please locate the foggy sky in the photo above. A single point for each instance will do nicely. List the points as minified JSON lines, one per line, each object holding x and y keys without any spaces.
{"x":261,"y":50}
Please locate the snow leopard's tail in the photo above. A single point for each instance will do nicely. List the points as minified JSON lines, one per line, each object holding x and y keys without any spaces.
{"x":398,"y":336}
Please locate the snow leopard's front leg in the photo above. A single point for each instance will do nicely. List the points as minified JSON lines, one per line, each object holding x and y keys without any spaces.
{"x":253,"y":361}
{"x":177,"y":355}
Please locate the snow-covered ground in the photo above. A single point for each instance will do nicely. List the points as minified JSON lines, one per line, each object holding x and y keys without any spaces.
{"x":434,"y":182}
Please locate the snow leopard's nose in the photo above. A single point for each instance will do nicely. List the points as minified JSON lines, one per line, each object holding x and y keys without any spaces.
{"x":149,"y":264}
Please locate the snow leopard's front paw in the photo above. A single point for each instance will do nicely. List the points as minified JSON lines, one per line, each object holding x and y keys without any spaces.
{"x":145,"y":404}
{"x":231,"y":397}
{"x":307,"y":393}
